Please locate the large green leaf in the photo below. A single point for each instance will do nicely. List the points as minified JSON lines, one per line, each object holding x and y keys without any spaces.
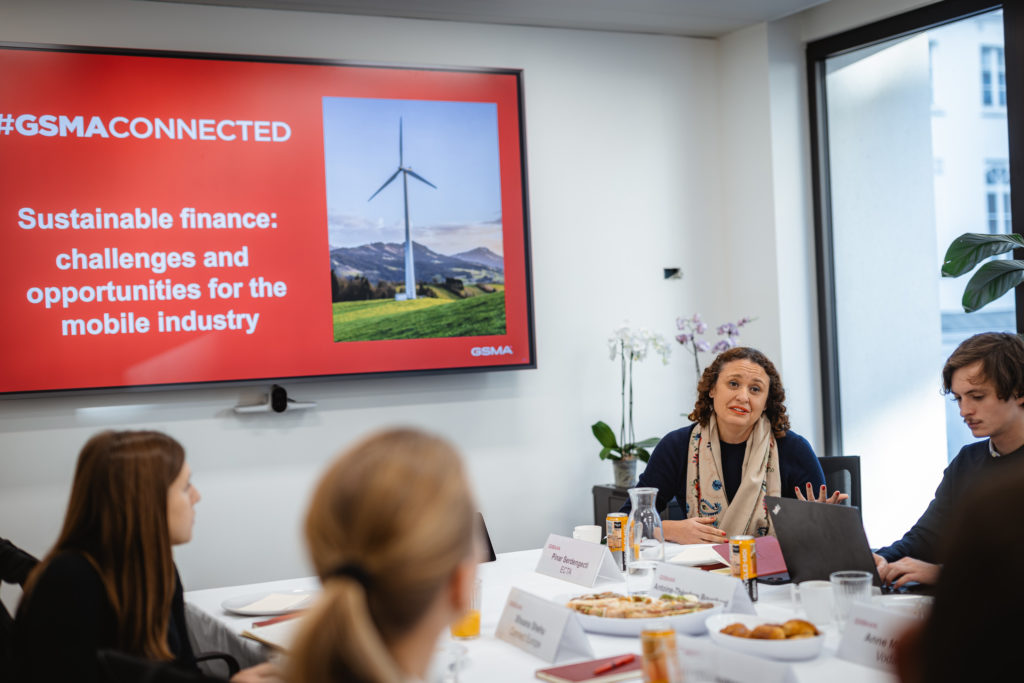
{"x":604,"y":434}
{"x":647,"y":443}
{"x":971,"y":248}
{"x":992,"y":280}
{"x":642,"y":453}
{"x":609,"y":452}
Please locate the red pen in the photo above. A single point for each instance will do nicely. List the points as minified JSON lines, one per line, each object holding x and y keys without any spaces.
{"x":617,"y":662}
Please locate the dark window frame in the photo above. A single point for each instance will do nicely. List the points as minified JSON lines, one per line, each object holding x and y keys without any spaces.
{"x":908,"y":23}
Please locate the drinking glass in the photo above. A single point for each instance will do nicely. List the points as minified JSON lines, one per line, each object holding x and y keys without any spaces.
{"x":849,"y":588}
{"x":468,"y":626}
{"x":645,"y":544}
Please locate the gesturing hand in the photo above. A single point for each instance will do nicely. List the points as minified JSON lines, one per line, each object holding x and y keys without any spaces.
{"x":693,"y":530}
{"x":822,"y":496}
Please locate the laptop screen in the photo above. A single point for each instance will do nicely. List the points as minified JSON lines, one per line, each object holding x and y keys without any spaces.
{"x":817,"y":539}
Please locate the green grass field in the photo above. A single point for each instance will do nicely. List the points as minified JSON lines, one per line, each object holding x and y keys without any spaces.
{"x":482,"y":314}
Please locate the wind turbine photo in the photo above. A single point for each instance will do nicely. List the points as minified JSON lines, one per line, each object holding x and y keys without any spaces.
{"x":410,"y":266}
{"x":430,"y":270}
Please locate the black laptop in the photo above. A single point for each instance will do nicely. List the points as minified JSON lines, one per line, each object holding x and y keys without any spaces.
{"x":817,"y":539}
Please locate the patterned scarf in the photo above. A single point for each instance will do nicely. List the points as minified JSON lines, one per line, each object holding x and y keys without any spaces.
{"x":705,"y":491}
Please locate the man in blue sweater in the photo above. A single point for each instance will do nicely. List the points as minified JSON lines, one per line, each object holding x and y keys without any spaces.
{"x":986,"y":377}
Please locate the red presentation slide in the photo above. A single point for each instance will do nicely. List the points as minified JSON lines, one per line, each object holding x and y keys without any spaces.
{"x":172,"y":218}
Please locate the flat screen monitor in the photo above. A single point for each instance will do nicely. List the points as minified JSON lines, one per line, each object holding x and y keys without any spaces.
{"x":179,"y":218}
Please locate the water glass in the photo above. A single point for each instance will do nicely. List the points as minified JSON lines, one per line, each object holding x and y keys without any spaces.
{"x":447,"y":663}
{"x":848,"y":589}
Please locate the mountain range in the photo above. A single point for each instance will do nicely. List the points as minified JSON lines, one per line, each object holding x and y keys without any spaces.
{"x":386,"y":261}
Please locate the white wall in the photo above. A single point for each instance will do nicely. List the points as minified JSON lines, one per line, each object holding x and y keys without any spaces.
{"x":623,"y":175}
{"x":767,"y":239}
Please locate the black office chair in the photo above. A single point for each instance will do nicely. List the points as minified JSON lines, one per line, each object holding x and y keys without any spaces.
{"x":118,"y":667}
{"x":842,"y":472}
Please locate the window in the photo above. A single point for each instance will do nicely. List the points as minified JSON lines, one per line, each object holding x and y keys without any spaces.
{"x":904,"y":162}
{"x":993,"y":77}
{"x":997,"y":197}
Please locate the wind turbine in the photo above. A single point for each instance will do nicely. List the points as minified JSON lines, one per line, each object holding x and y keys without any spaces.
{"x":410,"y":272}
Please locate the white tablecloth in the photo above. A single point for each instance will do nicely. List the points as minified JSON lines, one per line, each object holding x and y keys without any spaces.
{"x":490,"y":660}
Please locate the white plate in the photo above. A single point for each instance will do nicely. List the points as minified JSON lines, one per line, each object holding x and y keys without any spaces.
{"x":690,"y":624}
{"x":912,"y":605}
{"x":794,"y":649}
{"x":269,"y":603}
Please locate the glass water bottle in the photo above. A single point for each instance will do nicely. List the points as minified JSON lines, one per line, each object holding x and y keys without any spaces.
{"x":645,"y":542}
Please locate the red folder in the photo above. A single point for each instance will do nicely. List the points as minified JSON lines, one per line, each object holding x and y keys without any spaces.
{"x":769,"y":555}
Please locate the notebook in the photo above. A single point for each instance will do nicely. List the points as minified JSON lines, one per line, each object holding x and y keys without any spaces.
{"x":817,"y":539}
{"x":278,"y":635}
{"x":584,"y":671}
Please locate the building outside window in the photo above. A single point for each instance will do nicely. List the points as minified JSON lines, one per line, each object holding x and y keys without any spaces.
{"x":993,"y":77}
{"x":997,"y":197}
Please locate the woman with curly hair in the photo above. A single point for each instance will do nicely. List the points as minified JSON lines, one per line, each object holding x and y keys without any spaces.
{"x":739,"y":450}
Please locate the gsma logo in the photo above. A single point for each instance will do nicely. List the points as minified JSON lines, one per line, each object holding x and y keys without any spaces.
{"x":491,"y":351}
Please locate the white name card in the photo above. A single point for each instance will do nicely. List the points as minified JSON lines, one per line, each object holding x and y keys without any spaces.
{"x":681,"y":580}
{"x":703,"y":660}
{"x":870,"y":636}
{"x":580,"y":562}
{"x":542,"y":628}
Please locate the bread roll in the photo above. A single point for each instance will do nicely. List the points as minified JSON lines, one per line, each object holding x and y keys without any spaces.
{"x":737,"y":629}
{"x":768,"y":632}
{"x":798,"y":628}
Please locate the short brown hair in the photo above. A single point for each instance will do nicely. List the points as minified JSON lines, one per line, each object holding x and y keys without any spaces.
{"x":1002,"y":362}
{"x":775,"y":407}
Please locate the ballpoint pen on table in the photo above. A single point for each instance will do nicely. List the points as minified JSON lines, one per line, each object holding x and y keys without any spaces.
{"x":620,"y":661}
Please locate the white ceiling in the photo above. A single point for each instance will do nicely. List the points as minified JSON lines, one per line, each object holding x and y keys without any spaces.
{"x":700,"y":18}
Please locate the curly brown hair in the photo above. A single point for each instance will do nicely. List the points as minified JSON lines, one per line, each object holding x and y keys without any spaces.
{"x":775,"y":406}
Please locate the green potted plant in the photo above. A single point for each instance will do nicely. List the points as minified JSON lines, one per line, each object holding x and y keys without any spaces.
{"x":993,"y":279}
{"x":629,"y":347}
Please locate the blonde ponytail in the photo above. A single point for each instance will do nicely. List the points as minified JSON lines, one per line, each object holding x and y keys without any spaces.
{"x":388,"y":525}
{"x":338,"y":641}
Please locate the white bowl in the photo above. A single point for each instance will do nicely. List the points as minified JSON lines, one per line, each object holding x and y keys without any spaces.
{"x":790,"y":649}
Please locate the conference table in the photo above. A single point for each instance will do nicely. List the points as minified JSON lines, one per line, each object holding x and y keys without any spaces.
{"x":489,"y":660}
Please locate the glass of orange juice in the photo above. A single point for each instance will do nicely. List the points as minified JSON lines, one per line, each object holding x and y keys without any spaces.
{"x":468,"y":626}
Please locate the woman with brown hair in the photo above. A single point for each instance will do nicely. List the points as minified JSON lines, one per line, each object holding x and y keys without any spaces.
{"x":391,"y":534}
{"x":738,"y":450}
{"x":110,"y":580}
